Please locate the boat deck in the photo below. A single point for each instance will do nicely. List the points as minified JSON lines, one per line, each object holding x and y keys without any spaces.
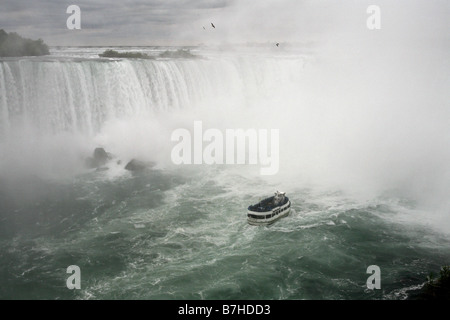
{"x":267,"y":205}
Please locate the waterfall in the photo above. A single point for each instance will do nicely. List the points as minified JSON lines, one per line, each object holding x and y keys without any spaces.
{"x":79,"y":96}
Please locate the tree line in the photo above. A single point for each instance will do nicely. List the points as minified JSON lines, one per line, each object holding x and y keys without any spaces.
{"x":13,"y":45}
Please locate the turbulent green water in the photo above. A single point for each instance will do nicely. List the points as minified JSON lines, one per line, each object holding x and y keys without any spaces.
{"x":183,"y":235}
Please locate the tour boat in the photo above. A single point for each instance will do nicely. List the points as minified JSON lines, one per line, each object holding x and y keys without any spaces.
{"x":269,"y":210}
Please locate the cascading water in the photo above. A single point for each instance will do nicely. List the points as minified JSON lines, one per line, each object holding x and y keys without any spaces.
{"x":80,"y":96}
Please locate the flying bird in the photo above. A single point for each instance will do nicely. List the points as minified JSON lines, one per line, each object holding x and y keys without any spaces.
{"x":277,"y":44}
{"x":204,"y":28}
{"x":213,"y":25}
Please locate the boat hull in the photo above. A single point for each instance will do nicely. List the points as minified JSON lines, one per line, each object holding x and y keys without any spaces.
{"x":268,"y":217}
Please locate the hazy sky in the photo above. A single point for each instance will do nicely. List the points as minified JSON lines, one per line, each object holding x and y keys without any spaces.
{"x":181,"y":22}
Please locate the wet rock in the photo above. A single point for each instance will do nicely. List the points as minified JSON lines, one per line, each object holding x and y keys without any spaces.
{"x":137,"y":165}
{"x":99,"y":158}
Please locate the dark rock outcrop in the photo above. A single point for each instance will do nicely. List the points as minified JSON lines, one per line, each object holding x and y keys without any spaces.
{"x":137,"y":165}
{"x":99,"y":158}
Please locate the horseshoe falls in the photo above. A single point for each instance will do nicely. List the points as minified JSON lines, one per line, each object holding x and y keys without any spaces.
{"x":363,"y":157}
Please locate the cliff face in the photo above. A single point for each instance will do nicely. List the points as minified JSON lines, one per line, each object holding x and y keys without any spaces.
{"x":13,"y":45}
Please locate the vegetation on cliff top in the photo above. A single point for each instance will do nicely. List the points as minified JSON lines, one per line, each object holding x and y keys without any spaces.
{"x":115,"y":54}
{"x":180,"y":53}
{"x":13,"y":45}
{"x":436,"y":289}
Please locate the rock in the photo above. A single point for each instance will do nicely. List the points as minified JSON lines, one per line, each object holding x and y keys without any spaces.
{"x":137,"y":165}
{"x":100,"y":155}
{"x":99,"y":158}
